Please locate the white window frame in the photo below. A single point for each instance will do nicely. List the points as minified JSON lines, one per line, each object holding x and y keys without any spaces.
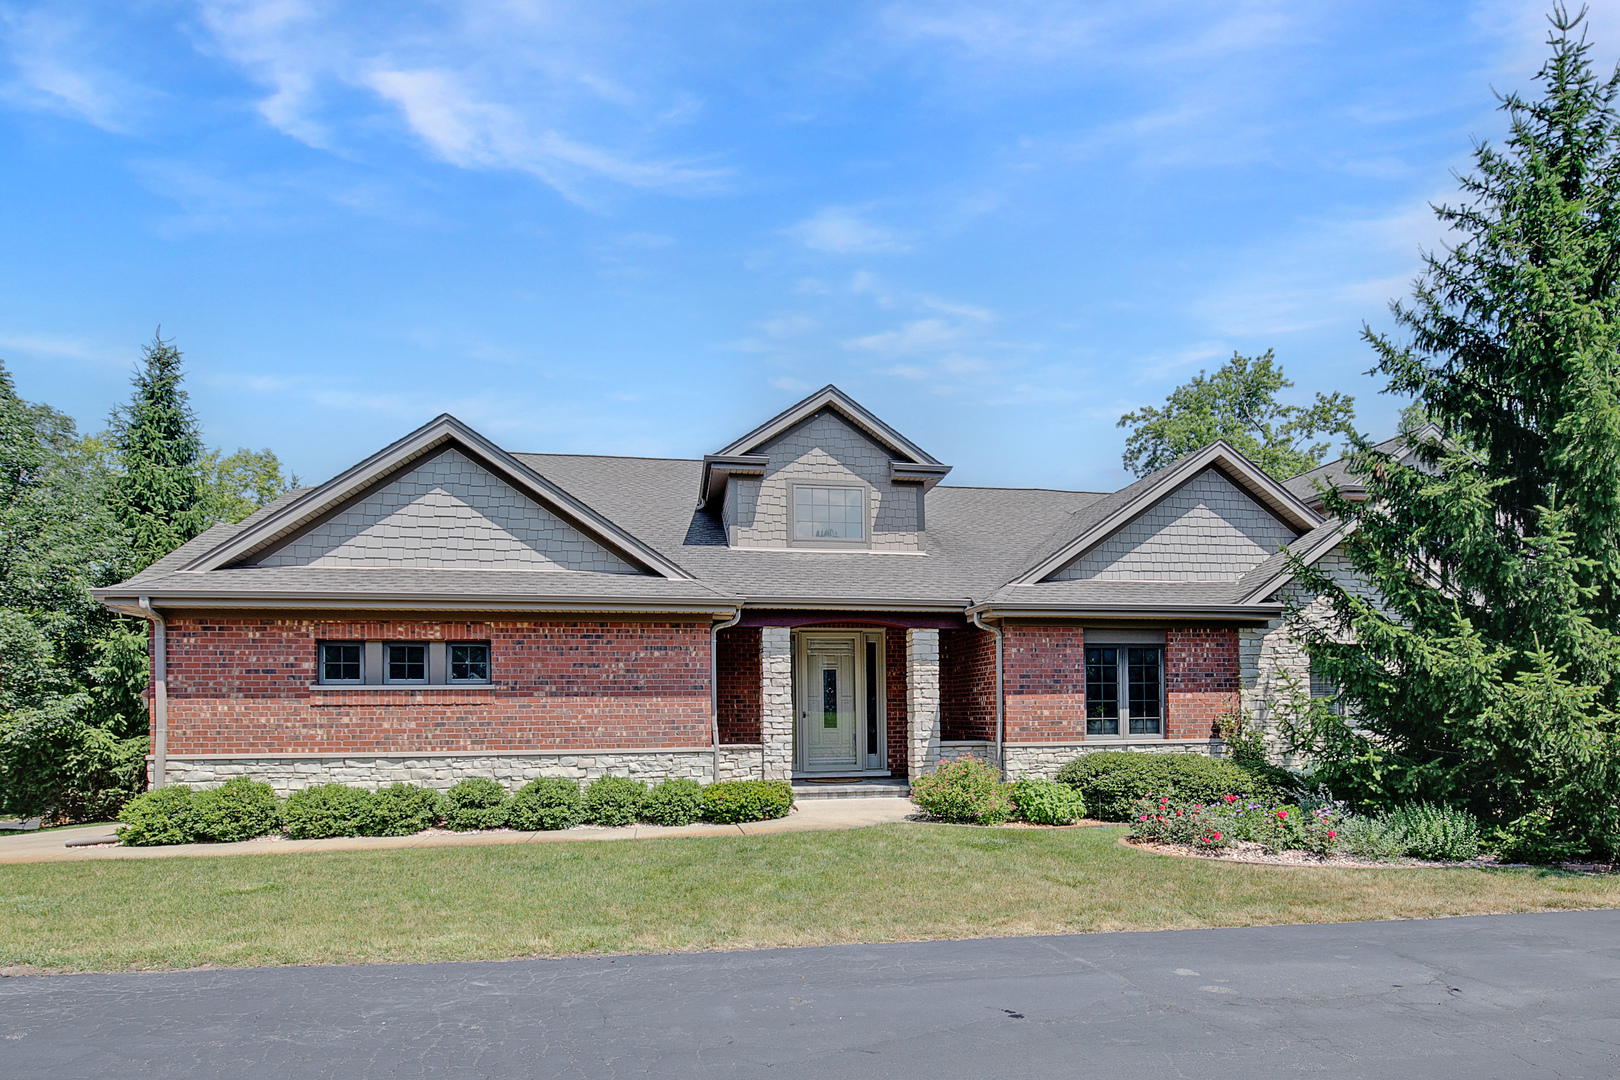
{"x":865,"y":539}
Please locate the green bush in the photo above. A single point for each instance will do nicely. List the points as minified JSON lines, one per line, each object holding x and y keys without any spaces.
{"x":1113,"y":780}
{"x":239,"y":809}
{"x":733,"y":801}
{"x":1370,"y":837}
{"x":1537,"y":837}
{"x":1043,"y":802}
{"x":676,"y":801}
{"x":547,"y":803}
{"x":160,"y":816}
{"x":1442,"y":833}
{"x":614,"y":800}
{"x":326,"y":810}
{"x":476,"y":803}
{"x":963,"y":792}
{"x":403,"y":809}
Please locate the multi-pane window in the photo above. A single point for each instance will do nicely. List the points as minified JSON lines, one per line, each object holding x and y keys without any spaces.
{"x":382,"y":663}
{"x":340,"y":662}
{"x":1128,"y":675}
{"x":407,"y":663}
{"x":469,"y":663}
{"x":829,"y":513}
{"x":1326,"y":690}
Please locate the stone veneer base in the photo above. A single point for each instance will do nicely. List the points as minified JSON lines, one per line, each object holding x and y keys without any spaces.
{"x":1043,"y":760}
{"x":291,"y":772}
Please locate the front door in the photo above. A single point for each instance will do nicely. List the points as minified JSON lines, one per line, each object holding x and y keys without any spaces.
{"x":828,"y":723}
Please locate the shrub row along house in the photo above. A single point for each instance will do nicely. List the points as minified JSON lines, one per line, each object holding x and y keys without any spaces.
{"x":809,"y":600}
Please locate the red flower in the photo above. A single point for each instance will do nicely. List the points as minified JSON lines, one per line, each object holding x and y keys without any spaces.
{"x":1331,"y":834}
{"x":1230,"y":798}
{"x":1217,"y":836}
{"x":1281,"y":814}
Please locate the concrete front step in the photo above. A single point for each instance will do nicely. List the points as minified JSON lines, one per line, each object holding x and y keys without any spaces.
{"x":868,"y":788}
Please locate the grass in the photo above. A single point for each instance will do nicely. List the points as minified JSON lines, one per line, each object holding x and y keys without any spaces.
{"x":886,"y":883}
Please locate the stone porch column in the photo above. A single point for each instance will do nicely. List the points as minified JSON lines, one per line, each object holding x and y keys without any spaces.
{"x":776,"y":701}
{"x":922,"y":701}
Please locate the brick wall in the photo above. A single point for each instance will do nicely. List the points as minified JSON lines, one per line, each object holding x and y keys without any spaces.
{"x":1045,"y":682}
{"x":242,"y":686}
{"x":894,"y":673}
{"x":738,"y":664}
{"x":1200,"y":679}
{"x":967,"y":674}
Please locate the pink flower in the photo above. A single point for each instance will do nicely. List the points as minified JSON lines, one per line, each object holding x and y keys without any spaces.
{"x":1331,"y":834}
{"x":1281,"y":814}
{"x":1217,"y":836}
{"x":1142,"y":818}
{"x":1230,"y":798}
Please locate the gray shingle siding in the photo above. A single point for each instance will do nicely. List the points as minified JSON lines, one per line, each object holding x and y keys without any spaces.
{"x":447,"y":512}
{"x":1205,"y":530}
{"x":822,"y":449}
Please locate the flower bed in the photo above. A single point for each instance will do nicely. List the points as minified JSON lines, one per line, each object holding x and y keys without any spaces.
{"x":1236,"y":827}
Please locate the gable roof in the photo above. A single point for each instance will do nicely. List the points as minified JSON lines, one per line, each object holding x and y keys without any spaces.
{"x":1337,"y":474}
{"x":310,"y":505}
{"x":909,"y":462}
{"x":1109,"y":515}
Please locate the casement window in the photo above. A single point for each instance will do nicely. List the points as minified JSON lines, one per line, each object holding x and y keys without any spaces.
{"x":833,"y":516}
{"x":469,"y":663}
{"x":341,"y":662}
{"x":403,"y":663}
{"x":406,"y":663}
{"x":1326,"y":690}
{"x":1124,"y":689}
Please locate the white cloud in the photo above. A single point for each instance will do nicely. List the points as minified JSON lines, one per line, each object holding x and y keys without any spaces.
{"x":55,"y":62}
{"x":480,"y":85}
{"x":838,"y":230}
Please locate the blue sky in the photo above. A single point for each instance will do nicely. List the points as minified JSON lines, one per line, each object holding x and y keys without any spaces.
{"x":641,"y":228}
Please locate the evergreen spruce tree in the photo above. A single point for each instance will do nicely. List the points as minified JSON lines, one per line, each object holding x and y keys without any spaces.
{"x":160,"y":495}
{"x":1483,"y":671}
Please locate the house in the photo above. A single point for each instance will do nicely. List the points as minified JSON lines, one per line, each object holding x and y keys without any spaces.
{"x":810,"y":600}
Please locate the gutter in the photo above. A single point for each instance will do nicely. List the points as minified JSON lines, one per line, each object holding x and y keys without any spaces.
{"x":1158,"y":612}
{"x":160,"y":693}
{"x":120,"y":601}
{"x":714,"y":688}
{"x":1001,"y":696}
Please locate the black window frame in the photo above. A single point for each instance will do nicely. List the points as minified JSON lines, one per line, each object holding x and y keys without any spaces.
{"x":359,"y":664}
{"x":450,"y":663}
{"x":1116,"y":697}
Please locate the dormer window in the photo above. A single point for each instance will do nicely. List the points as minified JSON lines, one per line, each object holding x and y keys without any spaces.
{"x":829,"y":515}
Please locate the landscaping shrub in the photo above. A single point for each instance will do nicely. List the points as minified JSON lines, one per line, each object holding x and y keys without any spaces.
{"x":476,"y":803}
{"x":160,"y":816}
{"x":614,"y":800}
{"x":677,"y":801}
{"x":239,"y":809}
{"x":1113,"y":780}
{"x":1371,"y":837}
{"x":1044,"y":802}
{"x":403,"y":809}
{"x":1161,"y":821}
{"x":1426,"y":831}
{"x":963,"y":792}
{"x":326,"y":810}
{"x":733,"y":801}
{"x":1538,"y":838}
{"x":547,"y":803}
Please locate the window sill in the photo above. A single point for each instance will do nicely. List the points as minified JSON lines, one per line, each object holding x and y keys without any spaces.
{"x":373,"y":688}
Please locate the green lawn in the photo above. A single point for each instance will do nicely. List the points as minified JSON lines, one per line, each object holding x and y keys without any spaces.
{"x":886,"y":883}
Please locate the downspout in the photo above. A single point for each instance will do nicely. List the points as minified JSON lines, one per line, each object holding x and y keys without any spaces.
{"x":160,"y":695}
{"x":714,"y":688}
{"x":1001,"y":719}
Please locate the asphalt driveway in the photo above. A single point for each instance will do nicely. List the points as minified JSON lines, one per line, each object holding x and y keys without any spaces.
{"x":1517,"y":996}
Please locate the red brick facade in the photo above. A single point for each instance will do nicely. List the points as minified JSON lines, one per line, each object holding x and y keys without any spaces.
{"x":1045,"y":683}
{"x":967,"y":685}
{"x":243,"y":686}
{"x":738,"y":664}
{"x":1200,"y":680}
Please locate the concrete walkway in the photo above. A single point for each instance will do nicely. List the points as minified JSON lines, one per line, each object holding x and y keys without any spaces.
{"x":808,"y":816}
